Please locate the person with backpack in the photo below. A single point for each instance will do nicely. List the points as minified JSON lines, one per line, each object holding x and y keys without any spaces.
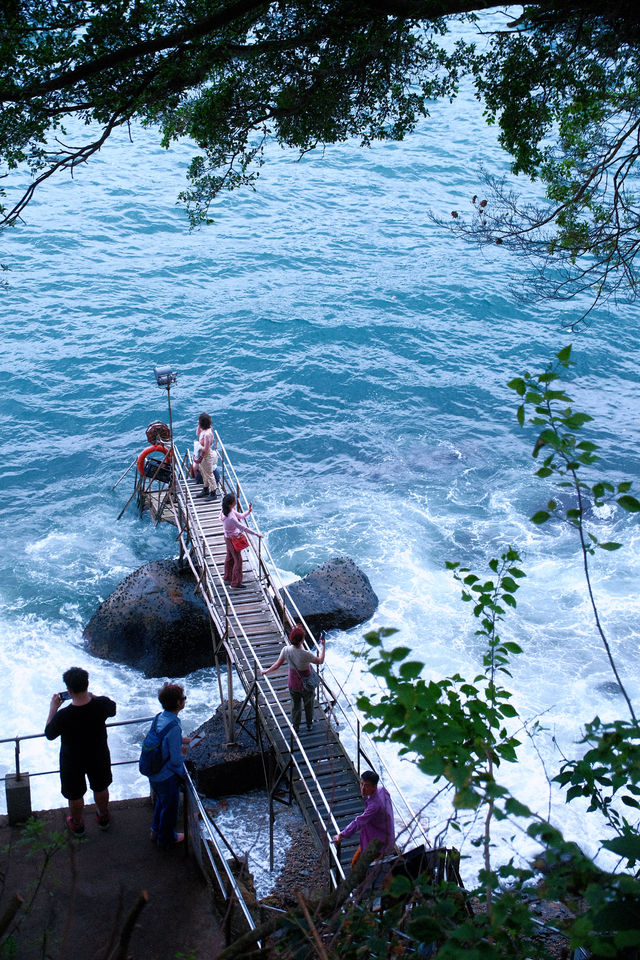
{"x":162,"y":761}
{"x":302,"y":681}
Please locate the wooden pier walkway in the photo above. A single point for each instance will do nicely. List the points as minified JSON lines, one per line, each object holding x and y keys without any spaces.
{"x":252,"y":624}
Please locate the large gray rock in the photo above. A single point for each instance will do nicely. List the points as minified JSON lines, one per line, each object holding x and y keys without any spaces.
{"x":335,"y":595}
{"x":153,"y":621}
{"x":222,"y":769}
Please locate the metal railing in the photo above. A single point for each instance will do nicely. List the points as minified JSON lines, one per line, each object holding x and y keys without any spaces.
{"x":220,"y":868}
{"x":287,"y":615}
{"x":236,"y":640}
{"x":17,"y":740}
{"x":332,"y":702}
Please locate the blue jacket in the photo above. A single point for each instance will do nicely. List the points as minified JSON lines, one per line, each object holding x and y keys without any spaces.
{"x":171,"y":748}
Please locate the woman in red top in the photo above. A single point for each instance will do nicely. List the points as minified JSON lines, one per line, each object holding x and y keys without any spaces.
{"x":232,"y":527}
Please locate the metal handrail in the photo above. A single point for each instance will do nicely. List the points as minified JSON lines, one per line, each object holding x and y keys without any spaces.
{"x":233,"y":622}
{"x":36,"y":736}
{"x":213,"y":839}
{"x":358,"y":733}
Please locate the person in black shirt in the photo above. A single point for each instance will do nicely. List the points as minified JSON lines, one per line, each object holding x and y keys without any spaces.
{"x":84,"y":749}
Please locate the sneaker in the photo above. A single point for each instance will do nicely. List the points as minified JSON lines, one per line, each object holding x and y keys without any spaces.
{"x":214,"y":495}
{"x":203,"y":493}
{"x":104,"y":820}
{"x":75,"y":829}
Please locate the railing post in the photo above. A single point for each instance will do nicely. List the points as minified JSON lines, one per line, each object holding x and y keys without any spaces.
{"x":358,"y":735}
{"x":272,"y":820}
{"x":18,"y":792}
{"x":232,"y":733}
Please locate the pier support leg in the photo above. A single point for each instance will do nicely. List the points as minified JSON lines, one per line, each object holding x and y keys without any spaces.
{"x":18,"y":794}
{"x":272,"y":820}
{"x":230,"y":704}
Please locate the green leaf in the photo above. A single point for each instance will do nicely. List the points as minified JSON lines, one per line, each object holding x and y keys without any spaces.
{"x":518,"y":385}
{"x":630,"y":504}
{"x":610,"y":545}
{"x":411,"y":669}
{"x":540,"y":517}
{"x":516,"y":808}
{"x":512,"y":646}
{"x":564,"y":356}
{"x":520,"y":414}
{"x":627,"y":846}
{"x":576,"y":420}
{"x":507,"y":710}
{"x":399,"y":653}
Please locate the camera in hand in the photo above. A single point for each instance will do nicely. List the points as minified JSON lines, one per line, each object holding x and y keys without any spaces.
{"x":65,"y":695}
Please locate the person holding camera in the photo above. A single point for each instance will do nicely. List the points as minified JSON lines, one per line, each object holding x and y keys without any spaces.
{"x":84,"y":751}
{"x":299,"y":660}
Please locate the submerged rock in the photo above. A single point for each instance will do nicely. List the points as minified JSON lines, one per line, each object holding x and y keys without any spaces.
{"x":153,"y":621}
{"x":336,"y":595}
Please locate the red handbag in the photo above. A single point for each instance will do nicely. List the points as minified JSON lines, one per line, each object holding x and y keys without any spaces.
{"x":240,"y":542}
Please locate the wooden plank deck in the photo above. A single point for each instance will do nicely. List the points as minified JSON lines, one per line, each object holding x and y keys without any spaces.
{"x":322,"y":776}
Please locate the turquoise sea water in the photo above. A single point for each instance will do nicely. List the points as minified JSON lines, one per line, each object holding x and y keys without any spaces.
{"x":354,"y":357}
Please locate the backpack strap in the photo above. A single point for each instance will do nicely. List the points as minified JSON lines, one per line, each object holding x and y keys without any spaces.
{"x":165,"y":730}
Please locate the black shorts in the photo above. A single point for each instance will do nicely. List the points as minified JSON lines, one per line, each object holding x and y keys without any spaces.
{"x":72,"y":777}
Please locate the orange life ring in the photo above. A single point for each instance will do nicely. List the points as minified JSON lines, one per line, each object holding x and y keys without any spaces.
{"x":145,"y":453}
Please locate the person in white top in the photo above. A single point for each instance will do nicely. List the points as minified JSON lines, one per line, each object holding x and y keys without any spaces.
{"x":206,"y":458}
{"x":299,"y":660}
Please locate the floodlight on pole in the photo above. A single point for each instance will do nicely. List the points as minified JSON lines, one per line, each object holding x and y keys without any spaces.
{"x":164,"y":378}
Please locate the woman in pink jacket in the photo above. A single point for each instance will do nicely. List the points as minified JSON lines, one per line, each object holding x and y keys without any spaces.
{"x":232,"y":527}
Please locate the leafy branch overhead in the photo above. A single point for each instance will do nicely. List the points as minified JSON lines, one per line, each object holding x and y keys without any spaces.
{"x":560,"y":81}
